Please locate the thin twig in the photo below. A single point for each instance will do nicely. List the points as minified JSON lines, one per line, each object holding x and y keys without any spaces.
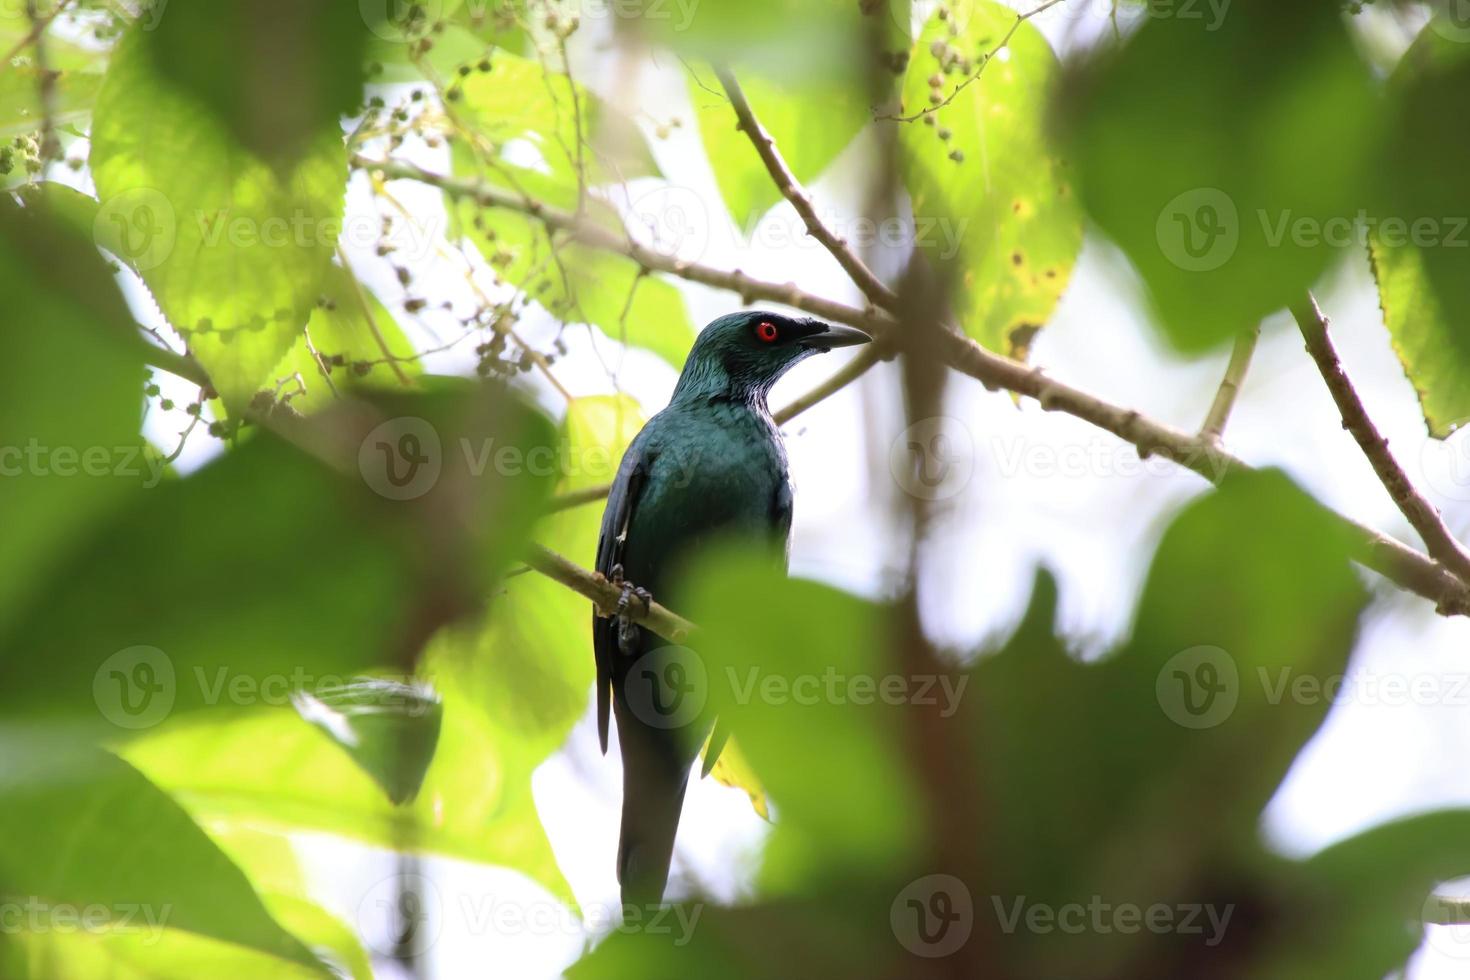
{"x":786,"y":182}
{"x":1425,"y":519}
{"x":372,"y":322}
{"x":321,"y":362}
{"x":37,"y":27}
{"x":605,"y":595}
{"x":1229,"y":390}
{"x":169,"y":359}
{"x":855,"y":368}
{"x":50,"y":145}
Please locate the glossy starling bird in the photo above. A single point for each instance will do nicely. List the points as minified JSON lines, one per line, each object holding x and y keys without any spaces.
{"x":708,"y":466}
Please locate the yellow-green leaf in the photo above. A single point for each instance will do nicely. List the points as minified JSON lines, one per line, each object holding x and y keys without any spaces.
{"x":733,"y":769}
{"x":992,"y":201}
{"x":1419,"y":242}
{"x":234,"y":253}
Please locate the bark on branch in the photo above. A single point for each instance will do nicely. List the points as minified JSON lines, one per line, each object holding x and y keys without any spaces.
{"x":604,"y":595}
{"x":791,"y":189}
{"x":1397,"y":562}
{"x":1420,"y":512}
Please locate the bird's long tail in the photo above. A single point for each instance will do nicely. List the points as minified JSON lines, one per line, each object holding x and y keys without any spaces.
{"x":653,"y":796}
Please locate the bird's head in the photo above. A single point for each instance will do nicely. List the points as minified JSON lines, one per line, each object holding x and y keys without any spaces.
{"x":744,"y":354}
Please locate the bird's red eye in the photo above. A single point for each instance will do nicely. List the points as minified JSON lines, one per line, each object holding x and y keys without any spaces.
{"x":766,"y":330}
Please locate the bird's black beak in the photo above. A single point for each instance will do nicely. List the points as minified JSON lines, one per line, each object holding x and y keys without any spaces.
{"x":832,"y":336}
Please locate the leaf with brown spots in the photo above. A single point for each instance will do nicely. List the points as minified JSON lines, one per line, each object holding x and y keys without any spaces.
{"x":989,"y":193}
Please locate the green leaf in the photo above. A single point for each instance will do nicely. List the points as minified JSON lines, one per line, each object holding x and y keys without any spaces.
{"x":811,"y":125}
{"x":234,"y":251}
{"x":1148,"y":771}
{"x":187,"y":600}
{"x":1199,"y":152}
{"x":805,"y":632}
{"x":1360,"y":906}
{"x":1420,"y":246}
{"x":1423,"y":335}
{"x":275,"y":98}
{"x":140,"y":951}
{"x":512,"y":689}
{"x":72,"y":397}
{"x":92,"y":831}
{"x":1003,"y":217}
{"x":734,"y":770}
{"x":388,"y":728}
{"x":819,"y":932}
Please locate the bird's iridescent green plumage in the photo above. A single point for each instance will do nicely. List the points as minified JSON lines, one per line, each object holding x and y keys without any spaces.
{"x":710,"y":465}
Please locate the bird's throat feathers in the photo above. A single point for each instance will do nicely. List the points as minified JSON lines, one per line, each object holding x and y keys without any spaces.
{"x":707,"y":379}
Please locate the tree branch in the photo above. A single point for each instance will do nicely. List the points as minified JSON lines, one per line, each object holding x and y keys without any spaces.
{"x":1420,"y":512}
{"x":605,"y":595}
{"x":855,"y":368}
{"x":1240,"y":362}
{"x":786,"y":182}
{"x":1397,"y":562}
{"x":171,"y":361}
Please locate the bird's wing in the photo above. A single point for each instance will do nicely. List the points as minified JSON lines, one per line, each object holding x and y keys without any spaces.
{"x":781,"y":519}
{"x":622,"y":500}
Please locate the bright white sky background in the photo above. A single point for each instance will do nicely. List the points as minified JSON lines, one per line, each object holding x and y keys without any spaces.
{"x":1042,"y":489}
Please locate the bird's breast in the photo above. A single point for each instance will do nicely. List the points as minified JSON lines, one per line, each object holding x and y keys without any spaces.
{"x":718,"y":478}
